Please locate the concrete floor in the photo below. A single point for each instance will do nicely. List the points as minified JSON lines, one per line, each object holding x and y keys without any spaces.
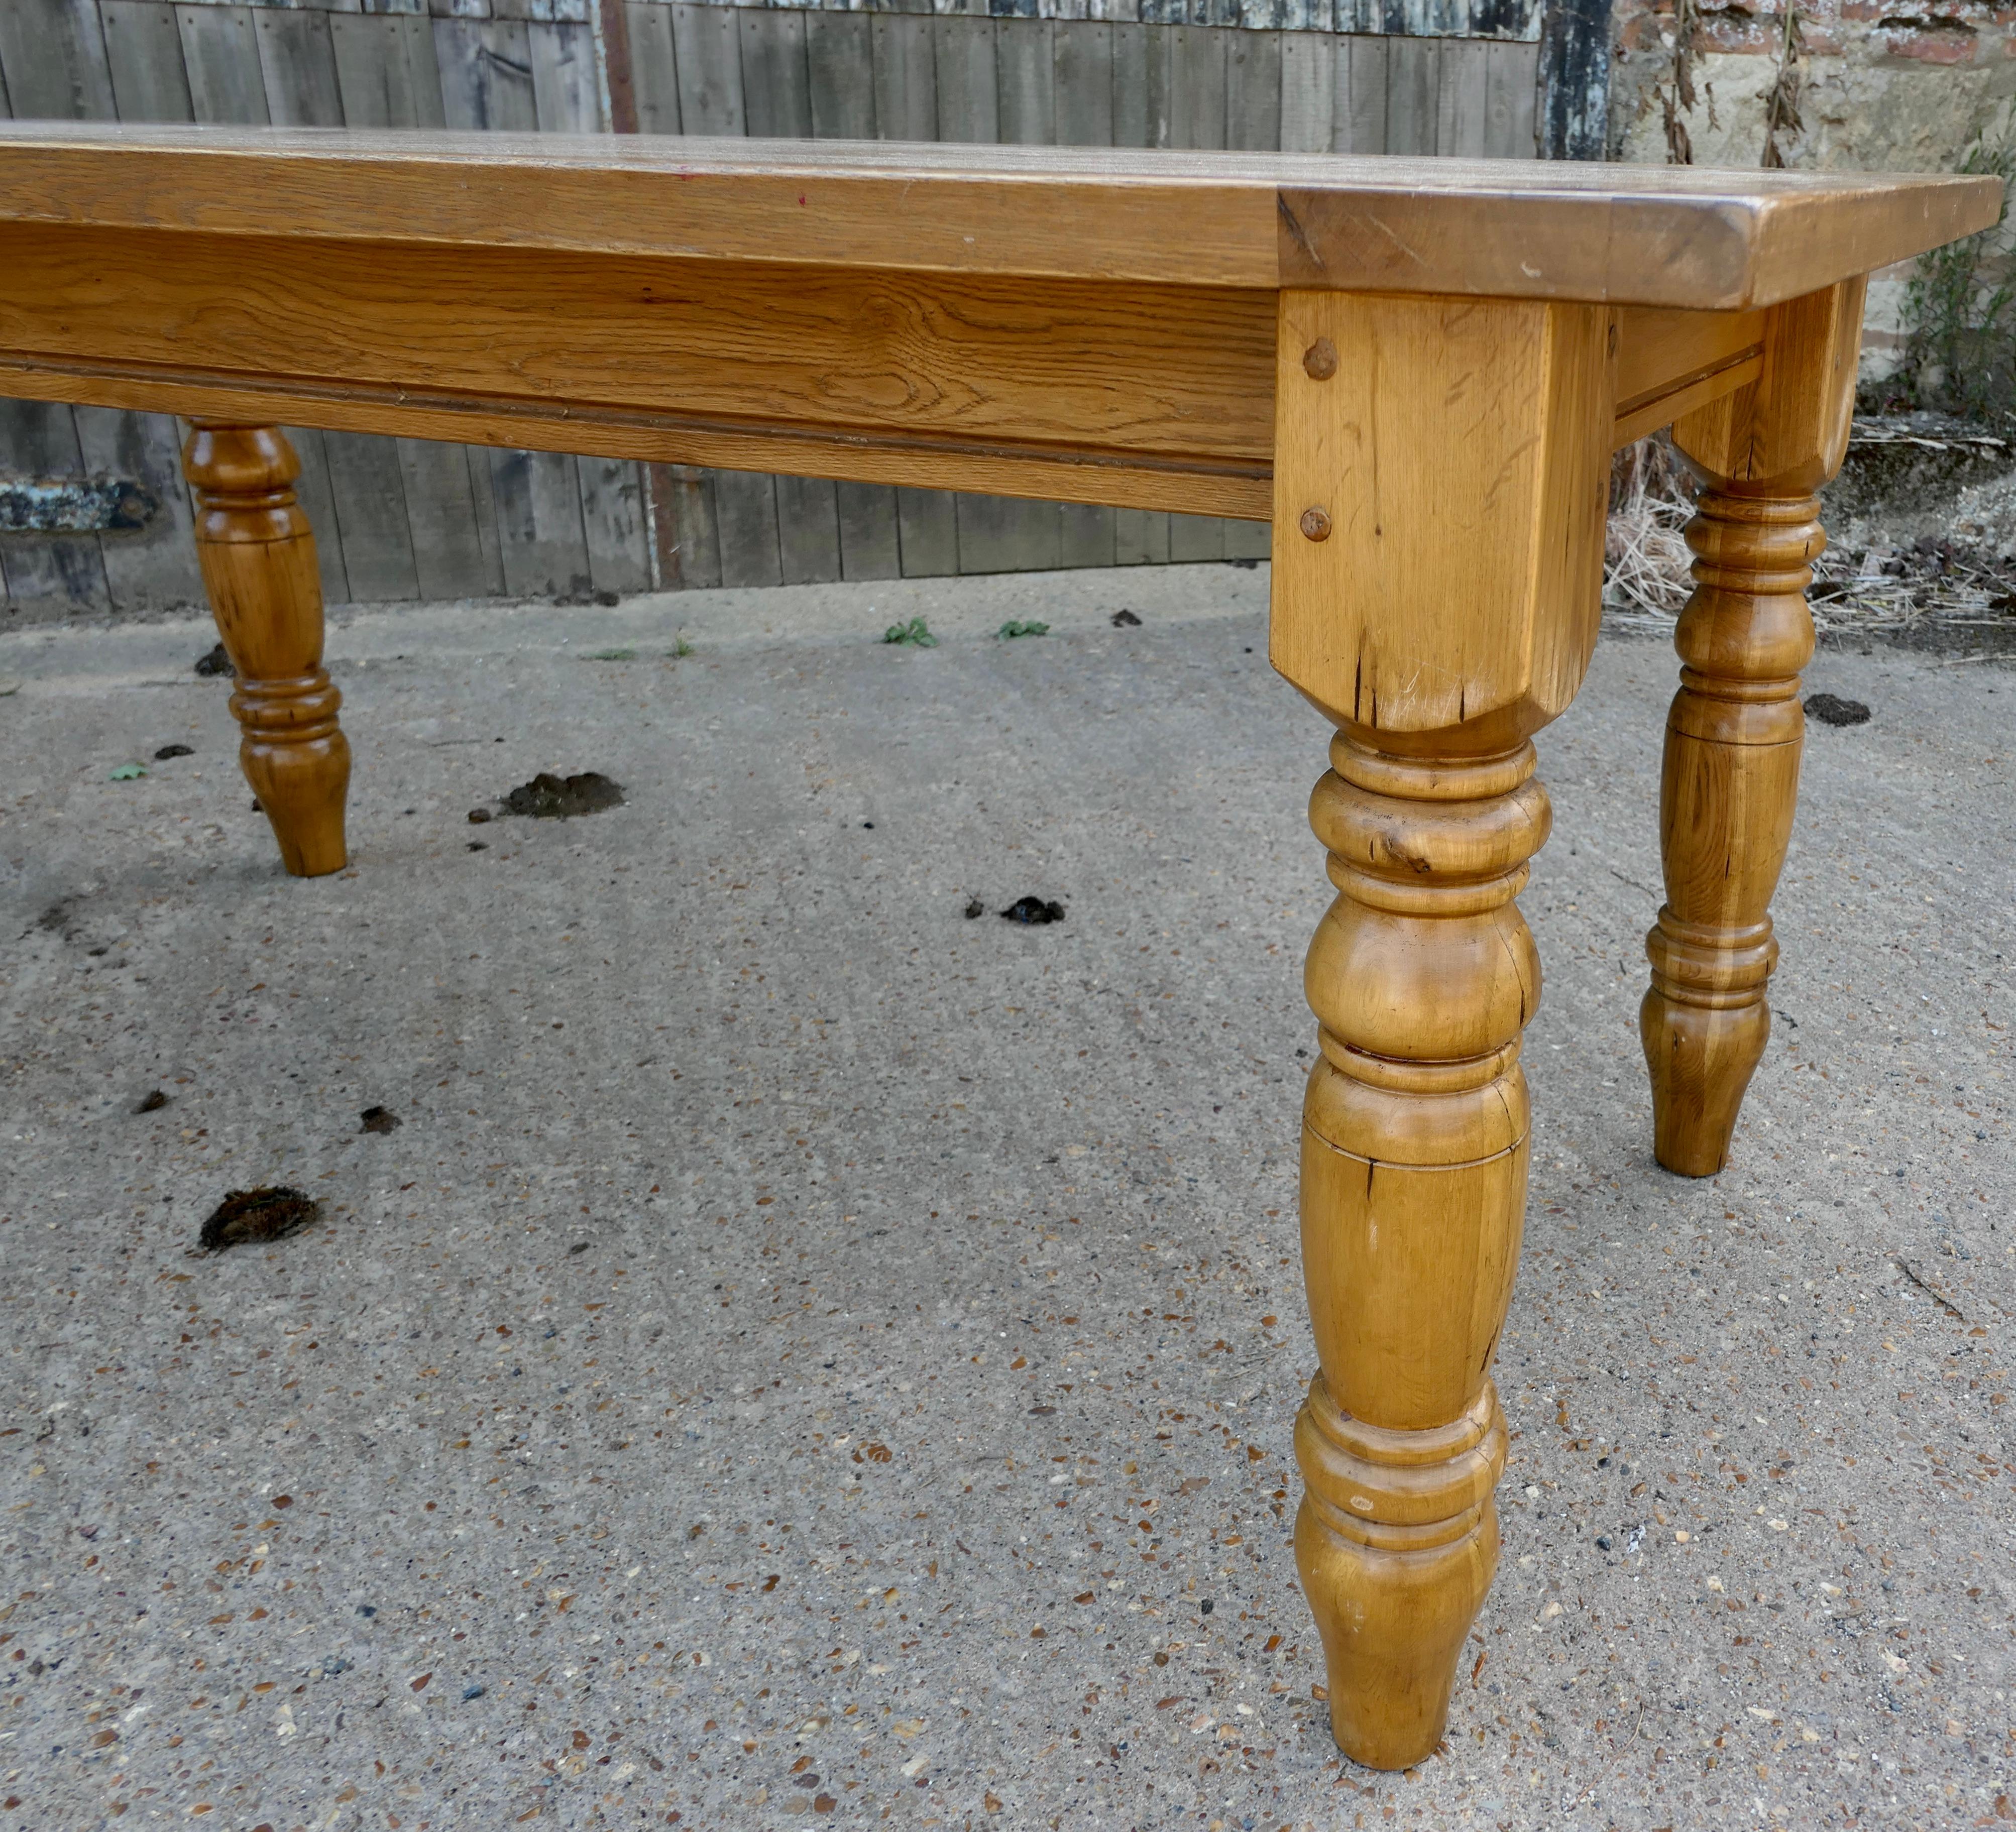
{"x":733,"y":1396}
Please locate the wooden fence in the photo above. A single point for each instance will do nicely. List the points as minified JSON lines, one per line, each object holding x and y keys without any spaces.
{"x":406,"y":519}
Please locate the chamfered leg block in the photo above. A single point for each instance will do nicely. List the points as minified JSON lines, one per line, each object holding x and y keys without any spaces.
{"x":1736,"y":731}
{"x":258,"y":558}
{"x":1440,"y":481}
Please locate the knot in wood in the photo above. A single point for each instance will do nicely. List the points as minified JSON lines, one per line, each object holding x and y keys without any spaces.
{"x":1319,"y":360}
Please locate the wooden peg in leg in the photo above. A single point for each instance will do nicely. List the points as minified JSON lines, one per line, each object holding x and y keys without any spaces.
{"x":1736,"y":731}
{"x":258,"y":558}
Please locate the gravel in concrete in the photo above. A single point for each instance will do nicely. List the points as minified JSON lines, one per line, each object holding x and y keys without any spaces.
{"x":806,"y":1357}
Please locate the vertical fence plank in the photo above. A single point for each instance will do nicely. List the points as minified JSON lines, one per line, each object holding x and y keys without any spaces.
{"x":1196,"y":86}
{"x":446,"y":520}
{"x":312,"y":489}
{"x":1308,"y":91}
{"x":221,"y":57}
{"x":776,"y":82}
{"x":906,"y":84}
{"x":1462,"y":104}
{"x":1512,"y":105}
{"x":385,"y":70}
{"x":695,"y":559}
{"x":1082,"y":79}
{"x":1140,"y":537}
{"x":654,"y":67}
{"x":927,"y":525}
{"x":566,"y":91}
{"x":1084,"y":534}
{"x":143,"y":51}
{"x":297,"y":64}
{"x":1025,"y":81}
{"x":155,"y":568}
{"x":745,"y":511}
{"x":1413,"y":94}
{"x":369,"y":491}
{"x":870,"y":545}
{"x":52,"y":56}
{"x":808,"y":530}
{"x":486,"y":74}
{"x":1007,"y":534}
{"x":1196,"y":537}
{"x":1144,"y":84}
{"x":1362,"y":80}
{"x":539,"y":525}
{"x":1253,"y":74}
{"x":1245,"y":540}
{"x":710,"y":63}
{"x":840,"y":67}
{"x":969,"y":101}
{"x":612,"y":516}
{"x":48,"y":575}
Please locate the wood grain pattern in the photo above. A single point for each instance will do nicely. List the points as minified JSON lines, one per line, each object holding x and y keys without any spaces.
{"x":1631,"y":235}
{"x":1671,"y":363}
{"x":1736,"y":732}
{"x":1475,"y":515}
{"x":1440,"y":481}
{"x":1414,"y":1156}
{"x":721,"y":362}
{"x":259,"y":562}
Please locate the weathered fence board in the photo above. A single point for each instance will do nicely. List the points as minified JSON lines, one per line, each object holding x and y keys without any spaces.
{"x":400,"y":518}
{"x":143,"y":47}
{"x":220,"y":59}
{"x":386,"y":71}
{"x":153,"y":569}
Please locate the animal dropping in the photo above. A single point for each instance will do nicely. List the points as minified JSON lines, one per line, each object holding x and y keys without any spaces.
{"x":247,"y":1218}
{"x":547,"y":797}
{"x":1031,"y":911}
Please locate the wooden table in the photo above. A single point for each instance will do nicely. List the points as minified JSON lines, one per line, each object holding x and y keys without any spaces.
{"x":1417,"y":370}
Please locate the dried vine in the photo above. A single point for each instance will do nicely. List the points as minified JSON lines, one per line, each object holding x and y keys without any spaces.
{"x":1679,"y":94}
{"x":1781,"y":102}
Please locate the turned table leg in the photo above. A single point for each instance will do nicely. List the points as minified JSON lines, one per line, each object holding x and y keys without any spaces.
{"x":1736,"y":731}
{"x":1726,"y":794}
{"x":1414,"y":1145}
{"x":1440,"y":472}
{"x":258,"y":558}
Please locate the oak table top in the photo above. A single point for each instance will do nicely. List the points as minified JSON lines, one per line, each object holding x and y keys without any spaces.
{"x":1415,"y":369}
